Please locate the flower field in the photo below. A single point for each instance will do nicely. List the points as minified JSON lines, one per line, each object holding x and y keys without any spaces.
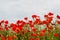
{"x":31,"y":29}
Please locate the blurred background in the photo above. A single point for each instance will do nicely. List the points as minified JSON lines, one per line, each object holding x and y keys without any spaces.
{"x":13,"y":10}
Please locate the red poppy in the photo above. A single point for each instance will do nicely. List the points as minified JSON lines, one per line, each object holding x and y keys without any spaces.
{"x":3,"y":38}
{"x":30,"y":22}
{"x":6,"y":22}
{"x":31,"y":25}
{"x":23,"y":23}
{"x":45,"y":22}
{"x":56,"y":35}
{"x":18,"y":22}
{"x":17,"y":30}
{"x":31,"y":39}
{"x":34,"y":29}
{"x":14,"y":27}
{"x":58,"y":22}
{"x":43,"y":31}
{"x":20,"y":27}
{"x":10,"y":38}
{"x":50,"y":13}
{"x":46,"y":16}
{"x":14,"y":36}
{"x":34,"y":34}
{"x":6,"y":28}
{"x":42,"y":34}
{"x":58,"y":16}
{"x":50,"y":27}
{"x":38,"y":17}
{"x":11,"y":24}
{"x":1,"y":28}
{"x":37,"y":39}
{"x":37,"y":21}
{"x":26,"y":18}
{"x":2,"y":21}
{"x":50,"y":19}
{"x":34,"y":16}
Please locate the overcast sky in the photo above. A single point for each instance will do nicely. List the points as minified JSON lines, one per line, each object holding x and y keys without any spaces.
{"x":18,"y":9}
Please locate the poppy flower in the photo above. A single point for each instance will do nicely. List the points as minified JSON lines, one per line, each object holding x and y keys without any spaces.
{"x":3,"y":38}
{"x":20,"y":27}
{"x":42,"y":34}
{"x":56,"y":35}
{"x":50,"y":27}
{"x":17,"y":30}
{"x":31,"y":38}
{"x":23,"y":23}
{"x":34,"y":16}
{"x":50,"y":13}
{"x":37,"y":39}
{"x":30,"y":22}
{"x":14,"y":27}
{"x":2,"y":21}
{"x":45,"y":22}
{"x":18,"y":22}
{"x":43,"y":31}
{"x":50,"y":19}
{"x":46,"y":16}
{"x":6,"y":28}
{"x":58,"y":16}
{"x":11,"y":24}
{"x":26,"y":18}
{"x":33,"y":29}
{"x":10,"y":38}
{"x":33,"y":34}
{"x":38,"y":17}
{"x":6,"y":22}
{"x":14,"y":36}
{"x":1,"y":28}
{"x":31,"y":25}
{"x":37,"y":21}
{"x":58,"y":22}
